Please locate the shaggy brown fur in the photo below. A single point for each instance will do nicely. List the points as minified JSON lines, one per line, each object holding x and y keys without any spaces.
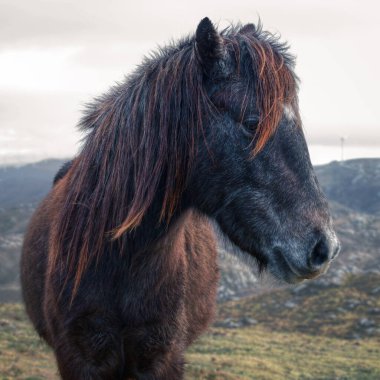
{"x":176,"y":279}
{"x":119,"y":270}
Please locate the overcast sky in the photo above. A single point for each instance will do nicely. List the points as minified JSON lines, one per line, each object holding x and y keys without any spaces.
{"x":56,"y":55}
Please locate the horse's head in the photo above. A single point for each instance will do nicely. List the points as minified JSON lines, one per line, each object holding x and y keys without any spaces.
{"x":210,"y":123}
{"x":253,"y":174}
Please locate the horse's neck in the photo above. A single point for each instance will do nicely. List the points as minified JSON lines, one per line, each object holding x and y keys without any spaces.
{"x":188,"y":242}
{"x":185,"y":230}
{"x":190,"y":236}
{"x":151,"y":235}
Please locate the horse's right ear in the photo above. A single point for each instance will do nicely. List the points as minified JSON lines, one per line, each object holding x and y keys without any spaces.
{"x":209,"y":44}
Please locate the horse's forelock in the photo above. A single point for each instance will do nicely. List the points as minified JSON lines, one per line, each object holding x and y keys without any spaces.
{"x":276,"y":86}
{"x":275,"y":82}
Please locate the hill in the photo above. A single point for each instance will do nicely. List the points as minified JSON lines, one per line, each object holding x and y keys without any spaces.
{"x":354,"y":184}
{"x":319,"y":330}
{"x":22,"y":188}
{"x":26,"y":185}
{"x":319,"y":335}
{"x":353,"y":189}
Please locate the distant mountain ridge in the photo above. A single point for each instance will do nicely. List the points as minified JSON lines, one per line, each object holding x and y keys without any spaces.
{"x":26,"y":184}
{"x":354,"y":184}
{"x":352,"y":187}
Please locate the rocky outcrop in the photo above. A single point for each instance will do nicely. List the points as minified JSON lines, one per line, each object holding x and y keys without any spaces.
{"x":353,"y":189}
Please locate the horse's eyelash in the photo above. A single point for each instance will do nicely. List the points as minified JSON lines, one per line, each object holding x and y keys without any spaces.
{"x":251,"y":121}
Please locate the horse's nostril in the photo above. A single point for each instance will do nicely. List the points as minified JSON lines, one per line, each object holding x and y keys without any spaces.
{"x":319,"y":254}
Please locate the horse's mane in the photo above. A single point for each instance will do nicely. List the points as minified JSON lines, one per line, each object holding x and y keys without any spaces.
{"x":141,"y":140}
{"x":275,"y":85}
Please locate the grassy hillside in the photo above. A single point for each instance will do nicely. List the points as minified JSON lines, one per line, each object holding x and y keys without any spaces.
{"x":301,"y":333}
{"x":349,"y":311}
{"x":258,"y":353}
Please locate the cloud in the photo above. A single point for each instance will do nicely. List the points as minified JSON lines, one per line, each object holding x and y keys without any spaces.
{"x":56,"y":22}
{"x":56,"y":55}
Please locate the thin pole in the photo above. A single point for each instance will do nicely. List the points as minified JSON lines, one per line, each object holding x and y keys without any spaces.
{"x":342,"y":140}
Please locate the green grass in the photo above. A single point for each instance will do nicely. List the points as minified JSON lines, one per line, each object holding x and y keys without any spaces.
{"x":22,"y":354}
{"x":256,"y":353}
{"x":332,"y":311}
{"x":301,"y":342}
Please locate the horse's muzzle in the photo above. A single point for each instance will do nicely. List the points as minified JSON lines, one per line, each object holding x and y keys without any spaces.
{"x":294,"y":265}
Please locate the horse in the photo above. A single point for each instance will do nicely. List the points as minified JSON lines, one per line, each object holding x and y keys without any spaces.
{"x":119,"y":265}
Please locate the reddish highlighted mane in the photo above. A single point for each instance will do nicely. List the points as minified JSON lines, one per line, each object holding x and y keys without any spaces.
{"x":142,"y":137}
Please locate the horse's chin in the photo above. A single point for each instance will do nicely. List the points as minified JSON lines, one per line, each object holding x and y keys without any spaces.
{"x":289,"y":275}
{"x":226,"y":244}
{"x":270,"y":273}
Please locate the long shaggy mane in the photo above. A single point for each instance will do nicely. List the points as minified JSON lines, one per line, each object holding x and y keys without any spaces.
{"x":141,"y":140}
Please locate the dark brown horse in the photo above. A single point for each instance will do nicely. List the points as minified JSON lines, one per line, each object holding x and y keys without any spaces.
{"x":119,"y":267}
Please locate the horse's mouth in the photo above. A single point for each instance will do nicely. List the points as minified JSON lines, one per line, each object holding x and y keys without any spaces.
{"x":283,"y":269}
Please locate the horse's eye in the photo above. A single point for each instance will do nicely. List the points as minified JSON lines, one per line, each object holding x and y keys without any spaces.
{"x":250,"y":123}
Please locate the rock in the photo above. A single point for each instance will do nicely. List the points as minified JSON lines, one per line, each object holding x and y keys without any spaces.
{"x":246,"y":321}
{"x":232,"y":323}
{"x":375,"y":290}
{"x":374,"y":310}
{"x":365,"y":322}
{"x":6,"y":325}
{"x":290,"y":304}
{"x":229,"y":323}
{"x":299,"y":288}
{"x":352,"y":303}
{"x":356,"y":336}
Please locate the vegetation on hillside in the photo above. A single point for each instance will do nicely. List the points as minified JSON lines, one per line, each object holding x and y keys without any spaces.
{"x":319,"y":333}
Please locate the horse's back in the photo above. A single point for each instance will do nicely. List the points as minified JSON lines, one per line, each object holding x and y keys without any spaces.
{"x":34,"y":260}
{"x":33,"y":266}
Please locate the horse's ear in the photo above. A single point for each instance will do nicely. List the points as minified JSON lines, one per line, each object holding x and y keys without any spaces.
{"x":209,"y":44}
{"x":248,"y":29}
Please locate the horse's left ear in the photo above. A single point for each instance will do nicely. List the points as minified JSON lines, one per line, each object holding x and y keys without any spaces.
{"x":247,"y":29}
{"x":209,"y":44}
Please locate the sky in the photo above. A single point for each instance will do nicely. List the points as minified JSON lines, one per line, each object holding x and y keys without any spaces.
{"x":56,"y":55}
